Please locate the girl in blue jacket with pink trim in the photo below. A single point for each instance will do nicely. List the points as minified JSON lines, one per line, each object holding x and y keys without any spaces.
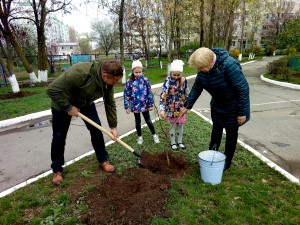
{"x":138,"y":99}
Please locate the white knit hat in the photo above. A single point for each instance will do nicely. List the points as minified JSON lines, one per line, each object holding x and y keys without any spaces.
{"x":177,"y":66}
{"x":136,"y":63}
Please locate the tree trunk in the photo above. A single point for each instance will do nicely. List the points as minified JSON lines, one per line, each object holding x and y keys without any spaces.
{"x":242,"y":34}
{"x":146,"y":49}
{"x":42,"y":56}
{"x":8,"y":55}
{"x":11,"y":77}
{"x":227,"y":29}
{"x":211,"y":25}
{"x":201,"y":22}
{"x":121,"y":30}
{"x":178,"y":39}
{"x":40,"y":13}
{"x":8,"y":34}
{"x":22,"y":56}
{"x":177,"y":29}
{"x":230,"y":32}
{"x":170,"y":50}
{"x":172,"y":35}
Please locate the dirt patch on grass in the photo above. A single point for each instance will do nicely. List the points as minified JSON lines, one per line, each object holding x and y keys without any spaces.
{"x":20,"y":94}
{"x":137,"y":195}
{"x":32,"y":85}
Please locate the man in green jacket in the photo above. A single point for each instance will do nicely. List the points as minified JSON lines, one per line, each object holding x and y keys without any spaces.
{"x":75,"y":90}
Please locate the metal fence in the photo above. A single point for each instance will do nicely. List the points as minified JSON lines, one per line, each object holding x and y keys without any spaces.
{"x":60,"y":63}
{"x":3,"y":81}
{"x":294,"y":63}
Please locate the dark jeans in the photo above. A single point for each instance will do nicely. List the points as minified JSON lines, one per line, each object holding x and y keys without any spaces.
{"x":138,"y":127}
{"x":231,"y":138}
{"x":60,"y":125}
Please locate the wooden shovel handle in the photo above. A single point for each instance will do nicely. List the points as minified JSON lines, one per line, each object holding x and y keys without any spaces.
{"x":105,"y":131}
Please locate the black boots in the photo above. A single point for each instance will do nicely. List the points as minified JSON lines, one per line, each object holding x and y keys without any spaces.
{"x":227,"y":165}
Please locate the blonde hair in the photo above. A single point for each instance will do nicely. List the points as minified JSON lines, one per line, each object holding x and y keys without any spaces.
{"x":202,"y":57}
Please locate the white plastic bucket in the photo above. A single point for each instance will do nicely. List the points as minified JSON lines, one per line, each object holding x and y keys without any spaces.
{"x":211,"y":166}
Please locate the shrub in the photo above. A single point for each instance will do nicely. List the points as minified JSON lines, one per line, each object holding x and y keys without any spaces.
{"x":270,"y":49}
{"x":192,"y":45}
{"x":281,"y":52}
{"x":286,"y":73}
{"x":291,"y":51}
{"x":254,"y":49}
{"x":276,"y":67}
{"x":235,"y":53}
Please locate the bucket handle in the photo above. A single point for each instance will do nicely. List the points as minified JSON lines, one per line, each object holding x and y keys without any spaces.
{"x":214,"y":147}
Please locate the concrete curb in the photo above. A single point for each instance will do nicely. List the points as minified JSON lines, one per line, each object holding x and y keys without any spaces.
{"x":283,"y":84}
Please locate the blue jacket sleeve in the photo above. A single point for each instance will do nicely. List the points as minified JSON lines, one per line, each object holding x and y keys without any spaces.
{"x":194,"y":94}
{"x":163,"y":95}
{"x":127,"y":94}
{"x":150,"y":96}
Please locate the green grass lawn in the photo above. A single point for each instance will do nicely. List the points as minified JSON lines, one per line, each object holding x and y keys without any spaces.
{"x":250,"y":191}
{"x":11,"y":108}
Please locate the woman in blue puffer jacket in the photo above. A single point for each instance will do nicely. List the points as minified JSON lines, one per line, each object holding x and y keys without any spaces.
{"x":222,"y":77}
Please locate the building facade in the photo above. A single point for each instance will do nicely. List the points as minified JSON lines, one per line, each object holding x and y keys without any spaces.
{"x":262,"y":26}
{"x":65,"y":48}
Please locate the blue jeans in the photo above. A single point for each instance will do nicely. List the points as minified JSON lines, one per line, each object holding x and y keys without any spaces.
{"x":60,"y":125}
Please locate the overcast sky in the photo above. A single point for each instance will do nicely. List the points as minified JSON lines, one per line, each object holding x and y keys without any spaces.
{"x":81,"y":19}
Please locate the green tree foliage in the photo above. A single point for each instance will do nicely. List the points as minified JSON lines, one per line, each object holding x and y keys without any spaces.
{"x":104,"y":33}
{"x":85,"y":47}
{"x":290,"y":36}
{"x":279,"y":13}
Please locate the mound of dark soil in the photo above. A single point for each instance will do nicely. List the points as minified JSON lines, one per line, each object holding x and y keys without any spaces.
{"x":31,"y":85}
{"x":138,"y":194}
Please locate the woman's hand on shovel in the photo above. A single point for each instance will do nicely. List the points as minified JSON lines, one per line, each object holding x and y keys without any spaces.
{"x":115,"y":133}
{"x":73,"y":111}
{"x":183,"y":111}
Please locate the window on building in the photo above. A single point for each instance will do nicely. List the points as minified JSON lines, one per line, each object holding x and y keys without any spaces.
{"x":71,"y":47}
{"x":244,"y":44}
{"x":233,"y":43}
